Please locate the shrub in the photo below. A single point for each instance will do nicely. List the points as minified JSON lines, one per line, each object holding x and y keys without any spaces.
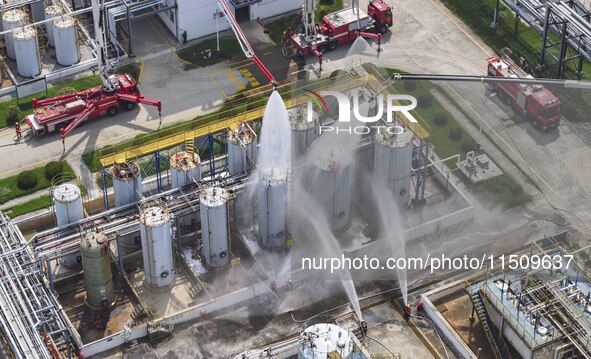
{"x":455,"y":134}
{"x":26,"y":180}
{"x":13,"y":113}
{"x":425,"y":100}
{"x":468,"y":145}
{"x":409,"y":85}
{"x":66,"y":91}
{"x":336,"y":73}
{"x":440,"y":118}
{"x":53,"y":169}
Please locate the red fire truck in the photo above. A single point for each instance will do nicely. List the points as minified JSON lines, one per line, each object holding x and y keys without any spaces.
{"x":538,"y":104}
{"x":336,"y":28}
{"x":64,"y":113}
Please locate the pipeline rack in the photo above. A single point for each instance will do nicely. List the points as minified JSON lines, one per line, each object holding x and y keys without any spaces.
{"x":31,"y":318}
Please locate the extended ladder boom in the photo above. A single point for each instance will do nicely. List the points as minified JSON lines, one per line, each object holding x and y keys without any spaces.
{"x":75,"y":122}
{"x":243,"y":41}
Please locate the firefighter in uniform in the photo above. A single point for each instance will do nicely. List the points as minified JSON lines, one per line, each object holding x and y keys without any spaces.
{"x":17,"y":128}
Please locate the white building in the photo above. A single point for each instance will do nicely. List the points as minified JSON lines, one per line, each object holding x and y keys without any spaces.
{"x":198,"y":17}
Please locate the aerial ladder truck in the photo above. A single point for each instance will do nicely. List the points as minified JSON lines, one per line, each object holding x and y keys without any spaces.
{"x":338,"y":27}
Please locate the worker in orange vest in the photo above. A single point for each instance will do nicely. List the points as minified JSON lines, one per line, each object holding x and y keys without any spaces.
{"x":17,"y":128}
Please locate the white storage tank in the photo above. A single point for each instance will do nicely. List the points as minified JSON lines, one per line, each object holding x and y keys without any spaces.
{"x":156,"y":234}
{"x":323,"y":340}
{"x":26,"y":48}
{"x":12,"y":19}
{"x":393,"y":161}
{"x":303,"y":128}
{"x":67,"y":203}
{"x":50,"y":12}
{"x":65,"y":37}
{"x":38,"y":11}
{"x":213,"y":209}
{"x":184,"y":169}
{"x":242,"y":147}
{"x":332,"y":186}
{"x":273,"y":209}
{"x":127,"y":183}
{"x":96,"y":263}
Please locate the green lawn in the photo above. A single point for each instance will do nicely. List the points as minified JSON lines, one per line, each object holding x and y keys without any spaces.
{"x":9,"y":189}
{"x":30,"y":206}
{"x":205,"y":52}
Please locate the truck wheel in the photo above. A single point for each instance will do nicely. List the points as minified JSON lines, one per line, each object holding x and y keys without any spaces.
{"x":383,"y":28}
{"x":332,"y":45}
{"x":112,"y":111}
{"x":128,"y":105}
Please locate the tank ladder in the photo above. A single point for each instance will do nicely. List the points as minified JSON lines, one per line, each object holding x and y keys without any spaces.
{"x":493,"y":335}
{"x":150,"y":251}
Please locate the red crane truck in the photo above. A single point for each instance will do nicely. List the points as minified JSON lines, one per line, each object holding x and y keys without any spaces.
{"x":538,"y":104}
{"x":64,"y":113}
{"x":337,"y":28}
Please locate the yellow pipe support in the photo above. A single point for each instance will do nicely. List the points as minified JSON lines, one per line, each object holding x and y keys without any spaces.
{"x":248,"y":116}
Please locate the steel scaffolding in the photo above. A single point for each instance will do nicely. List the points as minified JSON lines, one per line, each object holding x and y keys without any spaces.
{"x":569,"y":20}
{"x":31,"y":318}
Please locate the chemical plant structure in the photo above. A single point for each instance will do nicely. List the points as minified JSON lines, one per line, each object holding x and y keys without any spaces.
{"x":169,"y":248}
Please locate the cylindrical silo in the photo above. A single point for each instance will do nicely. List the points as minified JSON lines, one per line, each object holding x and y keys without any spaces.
{"x":10,"y":20}
{"x":26,"y":48}
{"x":65,"y":37}
{"x":127,"y":183}
{"x":242,"y":146}
{"x":50,"y":12}
{"x":184,"y":169}
{"x":38,"y":11}
{"x":325,"y":341}
{"x":67,"y":202}
{"x":156,"y":236}
{"x":96,"y":263}
{"x":393,"y":161}
{"x":332,"y":186}
{"x":304,"y":121}
{"x":273,"y":209}
{"x":213,"y":209}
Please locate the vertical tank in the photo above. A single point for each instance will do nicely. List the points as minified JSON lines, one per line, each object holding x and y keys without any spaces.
{"x":242,"y":148}
{"x":325,"y":341}
{"x":273,"y":209}
{"x":393,"y":161}
{"x":67,"y":202}
{"x":65,"y":37}
{"x":184,"y":169}
{"x":38,"y":11}
{"x":26,"y":48}
{"x":156,"y":237}
{"x":213,"y":209}
{"x":96,"y":263}
{"x":50,"y":12}
{"x":332,"y":186}
{"x":127,"y":183}
{"x":12,"y":19}
{"x":303,"y":120}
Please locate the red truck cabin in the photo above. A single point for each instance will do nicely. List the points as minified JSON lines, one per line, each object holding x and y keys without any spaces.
{"x":380,"y":12}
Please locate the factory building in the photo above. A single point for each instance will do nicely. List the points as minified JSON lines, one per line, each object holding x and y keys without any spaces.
{"x":182,"y":14}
